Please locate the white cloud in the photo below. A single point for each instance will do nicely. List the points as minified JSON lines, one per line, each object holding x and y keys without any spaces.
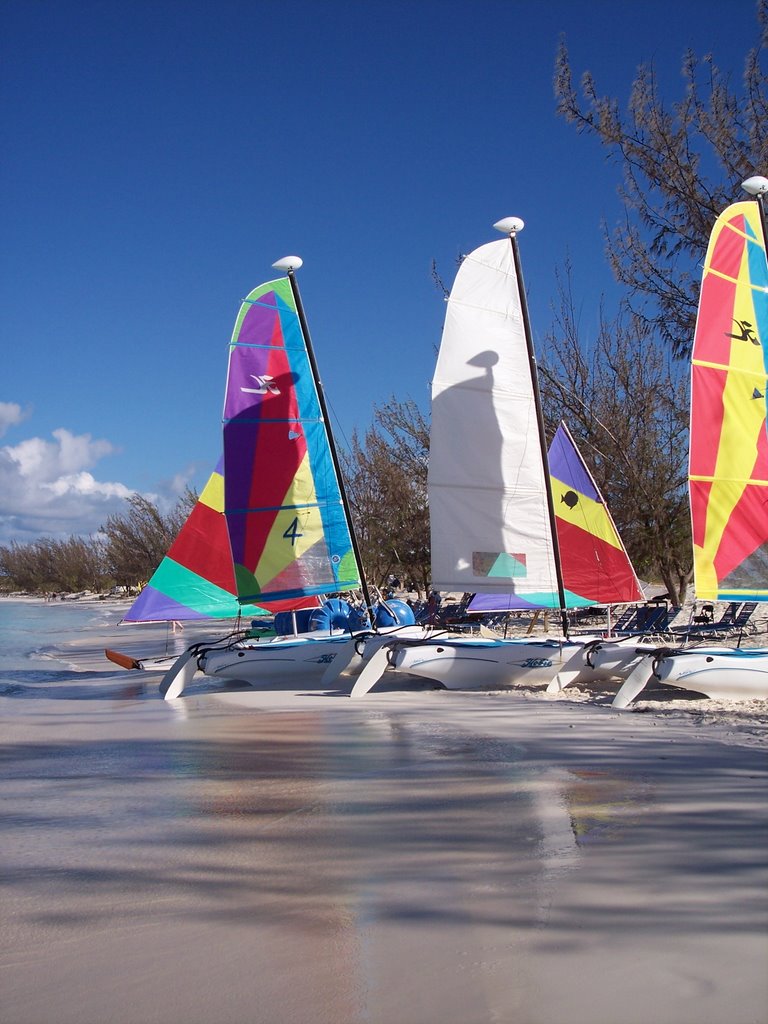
{"x":46,"y":487}
{"x":85,"y":485}
{"x":11,"y":413}
{"x":44,"y":460}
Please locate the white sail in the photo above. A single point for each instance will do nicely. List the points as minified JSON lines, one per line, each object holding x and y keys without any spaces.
{"x":487,"y":491}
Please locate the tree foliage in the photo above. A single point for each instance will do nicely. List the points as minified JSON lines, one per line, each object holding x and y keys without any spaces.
{"x":681,"y":165}
{"x":626,"y":405}
{"x":386,"y":478}
{"x":625,"y":401}
{"x":65,"y":566}
{"x":136,"y":541}
{"x":126,"y":551}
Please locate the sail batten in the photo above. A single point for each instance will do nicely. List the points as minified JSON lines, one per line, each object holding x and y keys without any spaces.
{"x":728,"y":462}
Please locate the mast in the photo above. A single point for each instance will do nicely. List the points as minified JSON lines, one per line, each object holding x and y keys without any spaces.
{"x":290,"y":264}
{"x":511,"y":226}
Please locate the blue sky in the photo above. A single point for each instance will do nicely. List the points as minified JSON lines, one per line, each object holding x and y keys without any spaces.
{"x":158,"y":157}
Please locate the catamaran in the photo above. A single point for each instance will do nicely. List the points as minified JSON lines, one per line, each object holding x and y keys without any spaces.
{"x":492,"y":513}
{"x":728,"y":460}
{"x":290,"y":535}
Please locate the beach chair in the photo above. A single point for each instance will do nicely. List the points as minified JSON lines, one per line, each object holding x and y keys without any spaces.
{"x":591,"y":620}
{"x":652,"y":621}
{"x":733,"y":621}
{"x":702,"y":621}
{"x":728,"y":617}
{"x":706,"y":616}
{"x":623,"y":625}
{"x":627,"y":620}
{"x":741,"y":623}
{"x":452,"y":614}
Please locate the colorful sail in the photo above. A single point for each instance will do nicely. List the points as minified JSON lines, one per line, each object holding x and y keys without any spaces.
{"x":288,"y":531}
{"x":728,"y":465}
{"x":595,"y":563}
{"x":596,"y":567}
{"x":487,"y":491}
{"x":195,"y":580}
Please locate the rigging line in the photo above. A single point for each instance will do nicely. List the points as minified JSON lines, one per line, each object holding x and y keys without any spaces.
{"x":334,"y":416}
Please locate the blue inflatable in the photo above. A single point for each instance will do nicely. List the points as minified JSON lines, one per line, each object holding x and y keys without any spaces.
{"x":284,"y":621}
{"x":334,"y":614}
{"x":339,"y":614}
{"x":394,"y":613}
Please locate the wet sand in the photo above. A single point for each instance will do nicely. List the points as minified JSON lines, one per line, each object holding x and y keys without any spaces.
{"x":412,"y":857}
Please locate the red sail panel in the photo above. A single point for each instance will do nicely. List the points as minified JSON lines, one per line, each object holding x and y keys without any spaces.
{"x":599,"y":571}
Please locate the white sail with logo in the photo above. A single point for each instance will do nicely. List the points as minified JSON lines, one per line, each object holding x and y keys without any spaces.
{"x":489,"y":513}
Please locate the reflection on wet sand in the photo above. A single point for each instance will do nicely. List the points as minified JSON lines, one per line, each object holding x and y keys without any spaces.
{"x":381,"y":842}
{"x":418,"y":858}
{"x":330,"y":853}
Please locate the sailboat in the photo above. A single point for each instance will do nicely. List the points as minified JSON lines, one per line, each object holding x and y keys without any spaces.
{"x":288,"y":522}
{"x":492,"y":515}
{"x":728,"y":460}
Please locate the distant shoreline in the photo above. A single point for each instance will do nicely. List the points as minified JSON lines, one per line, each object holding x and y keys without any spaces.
{"x":85,"y":598}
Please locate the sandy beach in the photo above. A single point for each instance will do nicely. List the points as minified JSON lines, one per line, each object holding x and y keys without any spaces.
{"x":412,"y":857}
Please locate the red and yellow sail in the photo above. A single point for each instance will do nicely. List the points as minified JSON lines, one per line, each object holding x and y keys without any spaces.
{"x":728,"y":465}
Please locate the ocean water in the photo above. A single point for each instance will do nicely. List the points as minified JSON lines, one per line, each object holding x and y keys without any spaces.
{"x":33,"y":639}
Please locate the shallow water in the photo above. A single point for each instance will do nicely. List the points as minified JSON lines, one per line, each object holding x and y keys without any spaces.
{"x":56,"y":650}
{"x":32,"y":633}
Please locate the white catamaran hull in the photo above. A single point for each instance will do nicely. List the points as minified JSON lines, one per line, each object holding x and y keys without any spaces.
{"x":304,"y":659}
{"x":476,"y":664}
{"x":300,"y":660}
{"x":724,"y":673}
{"x":615,"y":659}
{"x":600,"y":661}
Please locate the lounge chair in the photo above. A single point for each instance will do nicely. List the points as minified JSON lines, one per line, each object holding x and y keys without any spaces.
{"x":741,"y":623}
{"x":707,"y":615}
{"x":578,"y":619}
{"x":702,"y":622}
{"x":652,"y":621}
{"x":627,"y":620}
{"x":728,"y":617}
{"x":733,"y":622}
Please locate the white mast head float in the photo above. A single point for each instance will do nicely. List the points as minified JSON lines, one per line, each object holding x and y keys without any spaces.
{"x":509,"y":225}
{"x":757,"y":185}
{"x":288,"y":263}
